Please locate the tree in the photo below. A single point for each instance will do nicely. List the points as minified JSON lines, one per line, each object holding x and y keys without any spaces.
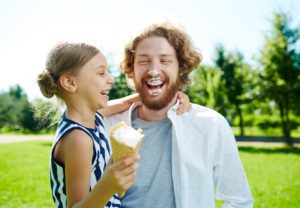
{"x":16,"y":112}
{"x":17,"y":92}
{"x":120,"y":87}
{"x":235,"y":81}
{"x":8,"y":118}
{"x":204,"y":81}
{"x":28,"y":120}
{"x":205,"y":89}
{"x":280,"y":62}
{"x":12,"y":107}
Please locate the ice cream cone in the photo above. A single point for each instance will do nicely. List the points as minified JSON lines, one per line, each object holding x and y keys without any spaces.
{"x":125,"y":141}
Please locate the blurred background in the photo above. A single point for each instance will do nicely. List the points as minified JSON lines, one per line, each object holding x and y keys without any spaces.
{"x":250,"y":74}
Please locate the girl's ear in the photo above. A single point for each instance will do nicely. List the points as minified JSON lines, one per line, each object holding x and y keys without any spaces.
{"x":68,"y":82}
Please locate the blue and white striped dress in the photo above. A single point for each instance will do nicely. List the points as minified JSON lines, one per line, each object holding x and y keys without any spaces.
{"x":101,"y":156}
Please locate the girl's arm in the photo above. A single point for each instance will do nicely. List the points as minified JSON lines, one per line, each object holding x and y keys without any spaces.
{"x":75,"y":151}
{"x":122,"y":104}
{"x":119,"y":105}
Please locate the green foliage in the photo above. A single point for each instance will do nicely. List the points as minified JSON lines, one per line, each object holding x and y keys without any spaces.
{"x":12,"y":105}
{"x":7,"y":112}
{"x":27,"y":120}
{"x":268,"y":122}
{"x":236,"y":81}
{"x":120,"y":87}
{"x":19,"y":115}
{"x":280,"y":62}
{"x":204,"y":85}
{"x":17,"y":93}
{"x":206,"y":89}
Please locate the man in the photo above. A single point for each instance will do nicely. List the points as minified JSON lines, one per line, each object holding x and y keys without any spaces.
{"x":188,"y":160}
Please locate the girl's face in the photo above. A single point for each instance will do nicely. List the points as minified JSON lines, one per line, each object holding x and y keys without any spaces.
{"x":94,"y":82}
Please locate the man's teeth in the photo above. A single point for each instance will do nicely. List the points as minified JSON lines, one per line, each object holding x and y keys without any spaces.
{"x":154,"y":82}
{"x":154,"y":85}
{"x":155,"y":91}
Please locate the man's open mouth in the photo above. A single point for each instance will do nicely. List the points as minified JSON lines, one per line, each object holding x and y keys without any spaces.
{"x":155,"y":85}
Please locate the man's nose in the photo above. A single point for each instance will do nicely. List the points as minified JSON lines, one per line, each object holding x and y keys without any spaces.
{"x":154,"y":70}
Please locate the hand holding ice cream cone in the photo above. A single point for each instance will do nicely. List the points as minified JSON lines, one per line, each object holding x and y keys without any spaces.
{"x":125,"y":141}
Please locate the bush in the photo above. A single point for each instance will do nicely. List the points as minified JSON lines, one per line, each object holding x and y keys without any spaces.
{"x":267,"y":122}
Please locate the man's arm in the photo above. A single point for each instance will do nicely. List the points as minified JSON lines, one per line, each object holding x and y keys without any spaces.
{"x":229,"y":176}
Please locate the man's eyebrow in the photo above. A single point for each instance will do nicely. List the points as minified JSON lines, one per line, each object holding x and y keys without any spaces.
{"x":168,"y":55}
{"x":143,"y":55}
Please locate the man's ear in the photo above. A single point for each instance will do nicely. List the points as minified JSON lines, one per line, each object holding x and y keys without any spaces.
{"x":130,"y":81}
{"x":68,"y":82}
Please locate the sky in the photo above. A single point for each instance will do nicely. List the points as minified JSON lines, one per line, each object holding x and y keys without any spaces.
{"x":29,"y":29}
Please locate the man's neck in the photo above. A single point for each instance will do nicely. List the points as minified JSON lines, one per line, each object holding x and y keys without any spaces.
{"x":147,"y":114}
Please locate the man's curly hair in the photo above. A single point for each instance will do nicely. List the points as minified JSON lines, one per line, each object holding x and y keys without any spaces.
{"x":188,"y":57}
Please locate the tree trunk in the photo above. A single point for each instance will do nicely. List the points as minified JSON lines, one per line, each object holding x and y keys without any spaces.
{"x":241,"y":123}
{"x":287,"y":134}
{"x":287,"y":130}
{"x":285,"y":125}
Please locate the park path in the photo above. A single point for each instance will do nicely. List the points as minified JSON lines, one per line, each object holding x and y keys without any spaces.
{"x":6,"y":138}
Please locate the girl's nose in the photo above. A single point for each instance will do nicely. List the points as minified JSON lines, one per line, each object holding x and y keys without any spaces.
{"x":110,"y":80}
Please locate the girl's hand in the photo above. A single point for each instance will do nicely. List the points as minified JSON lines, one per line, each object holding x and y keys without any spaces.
{"x":121,"y":175}
{"x":184,"y":103}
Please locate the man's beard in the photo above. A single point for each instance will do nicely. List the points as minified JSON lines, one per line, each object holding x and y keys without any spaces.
{"x":164,"y":100}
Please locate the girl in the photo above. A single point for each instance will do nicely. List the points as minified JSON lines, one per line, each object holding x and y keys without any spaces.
{"x":80,"y":172}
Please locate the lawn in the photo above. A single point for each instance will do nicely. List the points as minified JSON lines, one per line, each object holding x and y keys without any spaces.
{"x":24,"y":176}
{"x":273,"y":174}
{"x":272,"y":132}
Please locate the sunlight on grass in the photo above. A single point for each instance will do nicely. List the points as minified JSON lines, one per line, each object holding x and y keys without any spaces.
{"x":24,"y":175}
{"x":255,"y":131}
{"x":273,"y":174}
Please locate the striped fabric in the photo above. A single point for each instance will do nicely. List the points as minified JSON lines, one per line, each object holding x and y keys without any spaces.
{"x":101,"y":156}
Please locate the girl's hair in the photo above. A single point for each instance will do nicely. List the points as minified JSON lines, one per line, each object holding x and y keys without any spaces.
{"x":63,"y":58}
{"x":188,"y":57}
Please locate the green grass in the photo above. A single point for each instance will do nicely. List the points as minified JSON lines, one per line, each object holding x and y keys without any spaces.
{"x":256,"y":131}
{"x":273,"y":174}
{"x":24,"y":175}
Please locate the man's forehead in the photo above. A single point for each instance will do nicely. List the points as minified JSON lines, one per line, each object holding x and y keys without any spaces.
{"x":154,"y":45}
{"x":146,"y":55}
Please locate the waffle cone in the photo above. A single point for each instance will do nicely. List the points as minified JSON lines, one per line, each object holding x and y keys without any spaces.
{"x":120,"y":150}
